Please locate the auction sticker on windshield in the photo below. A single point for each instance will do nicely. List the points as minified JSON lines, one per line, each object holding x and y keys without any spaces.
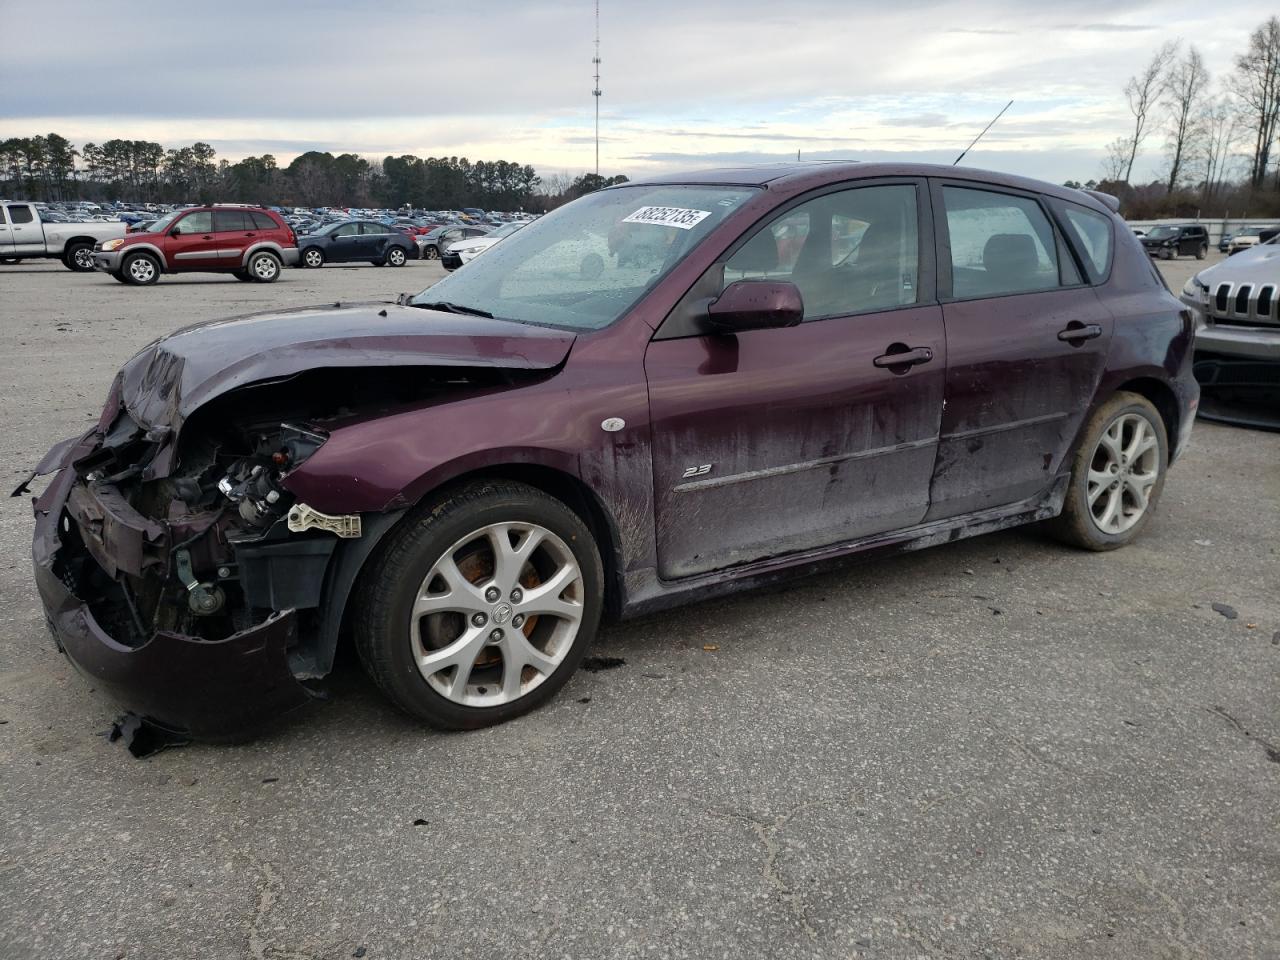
{"x":681,"y":217}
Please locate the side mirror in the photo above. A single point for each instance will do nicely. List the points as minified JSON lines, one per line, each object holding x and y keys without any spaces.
{"x":175,"y":232}
{"x":756,"y":305}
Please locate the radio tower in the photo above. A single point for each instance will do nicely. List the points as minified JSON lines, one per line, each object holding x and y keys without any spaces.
{"x":596,"y":92}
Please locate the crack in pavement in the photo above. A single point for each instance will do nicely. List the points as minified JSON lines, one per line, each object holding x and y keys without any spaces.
{"x":766,"y":832}
{"x":1273,"y":754}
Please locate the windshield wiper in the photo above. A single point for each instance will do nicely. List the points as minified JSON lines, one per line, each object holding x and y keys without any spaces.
{"x":448,"y":307}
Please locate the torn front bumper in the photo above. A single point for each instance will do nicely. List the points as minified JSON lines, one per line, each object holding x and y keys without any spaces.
{"x":207,"y":690}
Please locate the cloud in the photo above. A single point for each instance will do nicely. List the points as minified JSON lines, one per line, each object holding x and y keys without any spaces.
{"x":680,"y":80}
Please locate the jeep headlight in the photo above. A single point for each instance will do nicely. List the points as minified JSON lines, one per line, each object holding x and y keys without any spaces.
{"x":113,"y":244}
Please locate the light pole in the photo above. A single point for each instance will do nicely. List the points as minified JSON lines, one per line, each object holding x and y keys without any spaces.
{"x":596,"y":90}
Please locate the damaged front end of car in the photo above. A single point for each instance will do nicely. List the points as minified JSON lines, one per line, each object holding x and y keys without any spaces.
{"x":186,"y":595}
{"x":176,"y":566}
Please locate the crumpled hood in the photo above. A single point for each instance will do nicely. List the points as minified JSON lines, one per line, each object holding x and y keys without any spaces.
{"x":170,"y":378}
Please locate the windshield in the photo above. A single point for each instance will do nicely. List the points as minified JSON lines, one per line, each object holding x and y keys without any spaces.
{"x":583,"y":266}
{"x":1162,"y":233}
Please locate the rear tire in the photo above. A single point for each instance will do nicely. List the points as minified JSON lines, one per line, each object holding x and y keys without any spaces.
{"x":1202,"y":252}
{"x":141,"y":270}
{"x":242,"y":275}
{"x":312,"y":258}
{"x":396,"y":257}
{"x":444,"y":557}
{"x":263,"y":267}
{"x":1117,"y":475}
{"x":78,"y":257}
{"x":430,"y":252}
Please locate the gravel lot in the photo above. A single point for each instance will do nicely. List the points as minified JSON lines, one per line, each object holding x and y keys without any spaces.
{"x":997,"y":748}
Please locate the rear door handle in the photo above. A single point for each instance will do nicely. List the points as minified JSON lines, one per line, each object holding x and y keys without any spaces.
{"x":1077,"y":332}
{"x":903,"y":356}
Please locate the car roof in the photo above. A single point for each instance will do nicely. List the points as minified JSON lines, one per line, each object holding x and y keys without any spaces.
{"x":805,"y":174}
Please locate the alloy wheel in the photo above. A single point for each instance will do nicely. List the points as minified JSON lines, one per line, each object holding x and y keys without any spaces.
{"x":1124,"y":468}
{"x":84,"y":258}
{"x":142,"y":269}
{"x":497,"y":614}
{"x":264,"y":267}
{"x":313,"y":258}
{"x":396,"y":257}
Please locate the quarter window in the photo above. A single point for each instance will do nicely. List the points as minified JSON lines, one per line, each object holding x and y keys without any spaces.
{"x":1094,"y":234}
{"x":851,"y":251}
{"x":1000,"y":244}
{"x":20,"y":213}
{"x":261,"y":221}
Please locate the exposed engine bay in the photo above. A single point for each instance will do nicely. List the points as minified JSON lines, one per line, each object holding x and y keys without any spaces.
{"x":219,"y":543}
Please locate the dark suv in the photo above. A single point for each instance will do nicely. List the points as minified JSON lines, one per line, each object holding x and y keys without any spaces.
{"x":793,"y":364}
{"x":250,"y":243}
{"x":1190,"y":240}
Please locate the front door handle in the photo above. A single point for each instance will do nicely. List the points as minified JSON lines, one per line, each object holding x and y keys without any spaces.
{"x":1078,"y":332}
{"x":902,"y":356}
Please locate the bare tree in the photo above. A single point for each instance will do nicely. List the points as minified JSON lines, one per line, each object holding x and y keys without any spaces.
{"x":1143,"y":93}
{"x":1184,"y":93}
{"x":1258,"y":83}
{"x":1220,"y":124}
{"x":1116,"y":160}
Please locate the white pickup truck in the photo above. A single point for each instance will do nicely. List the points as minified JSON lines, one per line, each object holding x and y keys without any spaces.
{"x":23,"y":236}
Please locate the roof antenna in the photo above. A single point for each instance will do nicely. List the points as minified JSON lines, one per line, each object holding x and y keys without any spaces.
{"x":981,"y":135}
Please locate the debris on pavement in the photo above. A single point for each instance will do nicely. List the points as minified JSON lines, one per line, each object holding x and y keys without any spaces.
{"x":1226,"y":610}
{"x":596,"y":664}
{"x":142,"y":739}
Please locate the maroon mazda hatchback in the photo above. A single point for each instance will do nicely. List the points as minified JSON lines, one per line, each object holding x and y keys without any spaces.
{"x":661,"y":392}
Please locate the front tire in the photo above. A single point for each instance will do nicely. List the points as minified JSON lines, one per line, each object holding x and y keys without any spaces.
{"x":1117,"y":475}
{"x":264,"y":268}
{"x":480,"y":605}
{"x":141,"y":270}
{"x":430,"y":252}
{"x":79,"y":257}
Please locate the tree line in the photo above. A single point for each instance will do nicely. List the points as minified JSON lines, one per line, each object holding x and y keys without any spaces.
{"x":1219,"y":148}
{"x":52,"y":168}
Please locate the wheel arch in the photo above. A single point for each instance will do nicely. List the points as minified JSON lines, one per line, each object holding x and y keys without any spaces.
{"x":1162,"y":398}
{"x":265,"y":246}
{"x":354,"y":558}
{"x":573,"y":493}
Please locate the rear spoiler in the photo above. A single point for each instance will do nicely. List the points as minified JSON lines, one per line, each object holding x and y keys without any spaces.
{"x":1106,"y":199}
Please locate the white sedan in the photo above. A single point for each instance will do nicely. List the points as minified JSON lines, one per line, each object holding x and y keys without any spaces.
{"x":464,"y":251}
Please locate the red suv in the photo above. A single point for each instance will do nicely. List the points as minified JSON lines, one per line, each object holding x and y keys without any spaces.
{"x":249,"y":243}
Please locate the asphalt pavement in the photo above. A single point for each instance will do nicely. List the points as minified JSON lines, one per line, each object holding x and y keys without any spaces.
{"x":995,"y":748}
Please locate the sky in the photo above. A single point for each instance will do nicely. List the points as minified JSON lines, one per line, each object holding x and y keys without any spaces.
{"x":686,"y":85}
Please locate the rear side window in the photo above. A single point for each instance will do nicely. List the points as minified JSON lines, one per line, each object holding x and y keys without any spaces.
{"x":374,"y":229}
{"x":261,"y":221}
{"x":20,"y":214}
{"x":1000,"y":244}
{"x":229,"y":221}
{"x":1093,"y":238}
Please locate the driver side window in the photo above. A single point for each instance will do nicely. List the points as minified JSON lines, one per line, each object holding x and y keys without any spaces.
{"x":201,"y":222}
{"x":347,"y":230}
{"x":852,"y":251}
